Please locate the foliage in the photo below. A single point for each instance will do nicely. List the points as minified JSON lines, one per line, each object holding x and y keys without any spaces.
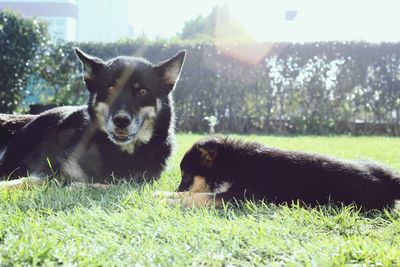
{"x":280,"y":88}
{"x":20,"y":38}
{"x":218,"y":25}
{"x":125,"y":225}
{"x":317,"y":88}
{"x":195,"y":27}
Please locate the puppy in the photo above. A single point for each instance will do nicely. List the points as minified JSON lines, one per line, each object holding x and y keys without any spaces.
{"x":217,"y":170}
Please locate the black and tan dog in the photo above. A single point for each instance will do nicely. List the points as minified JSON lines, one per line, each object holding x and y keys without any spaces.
{"x":125,"y":131}
{"x":215,"y":170}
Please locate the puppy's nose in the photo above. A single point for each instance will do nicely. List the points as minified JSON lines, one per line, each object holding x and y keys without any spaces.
{"x":121,"y":120}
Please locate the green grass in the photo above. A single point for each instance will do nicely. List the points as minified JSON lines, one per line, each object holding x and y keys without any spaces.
{"x":126,"y":225}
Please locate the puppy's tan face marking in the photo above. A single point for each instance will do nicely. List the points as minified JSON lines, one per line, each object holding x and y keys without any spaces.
{"x":200,"y":185}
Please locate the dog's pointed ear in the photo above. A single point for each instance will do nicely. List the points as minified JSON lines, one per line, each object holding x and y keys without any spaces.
{"x":91,"y":65}
{"x":169,"y":71}
{"x":208,"y":150}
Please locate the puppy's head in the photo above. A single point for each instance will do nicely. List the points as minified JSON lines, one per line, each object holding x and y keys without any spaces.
{"x":200,"y":167}
{"x":127,"y":93}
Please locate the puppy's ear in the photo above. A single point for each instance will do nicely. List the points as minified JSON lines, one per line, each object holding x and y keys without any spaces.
{"x":208,"y":151}
{"x":169,"y":71}
{"x":91,"y":65}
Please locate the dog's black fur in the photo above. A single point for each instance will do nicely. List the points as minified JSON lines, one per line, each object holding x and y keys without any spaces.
{"x":238,"y":170}
{"x":10,"y":125}
{"x":125,"y":131}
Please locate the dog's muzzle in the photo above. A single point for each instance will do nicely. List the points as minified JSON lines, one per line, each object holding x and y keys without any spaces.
{"x":126,"y":127}
{"x":121,"y":120}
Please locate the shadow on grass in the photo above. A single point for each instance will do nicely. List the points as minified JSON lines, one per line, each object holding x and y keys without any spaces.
{"x":52,"y":198}
{"x":63,"y":198}
{"x":336,"y":212}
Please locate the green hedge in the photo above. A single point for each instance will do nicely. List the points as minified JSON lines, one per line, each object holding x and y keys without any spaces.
{"x":20,"y":39}
{"x":311,"y":88}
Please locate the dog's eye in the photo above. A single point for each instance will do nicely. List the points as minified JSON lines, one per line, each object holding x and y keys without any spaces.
{"x":141,"y":92}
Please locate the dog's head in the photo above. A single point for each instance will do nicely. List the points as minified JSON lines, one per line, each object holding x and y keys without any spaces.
{"x":127,"y":93}
{"x":201,"y":168}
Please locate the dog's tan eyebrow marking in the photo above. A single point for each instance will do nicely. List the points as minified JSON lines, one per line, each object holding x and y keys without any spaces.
{"x":200,"y":185}
{"x":136,"y":85}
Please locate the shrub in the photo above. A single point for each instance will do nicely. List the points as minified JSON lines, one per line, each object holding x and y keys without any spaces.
{"x":311,"y":88}
{"x":299,"y":88}
{"x":20,"y":39}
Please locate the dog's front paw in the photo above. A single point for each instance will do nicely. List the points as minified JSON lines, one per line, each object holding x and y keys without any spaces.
{"x":100,"y":186}
{"x":22,"y":183}
{"x":81,"y":185}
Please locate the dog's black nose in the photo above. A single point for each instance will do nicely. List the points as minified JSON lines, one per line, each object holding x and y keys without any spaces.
{"x":121,"y":120}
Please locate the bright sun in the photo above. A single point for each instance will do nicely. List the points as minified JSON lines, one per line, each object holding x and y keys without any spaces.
{"x":283,"y":20}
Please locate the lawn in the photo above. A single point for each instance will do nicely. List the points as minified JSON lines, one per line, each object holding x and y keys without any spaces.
{"x":126,"y":225}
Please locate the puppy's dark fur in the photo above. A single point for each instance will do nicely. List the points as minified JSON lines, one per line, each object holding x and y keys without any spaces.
{"x":237,"y":170}
{"x":125,"y":131}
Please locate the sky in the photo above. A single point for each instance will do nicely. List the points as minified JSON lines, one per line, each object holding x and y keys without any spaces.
{"x":264,"y":20}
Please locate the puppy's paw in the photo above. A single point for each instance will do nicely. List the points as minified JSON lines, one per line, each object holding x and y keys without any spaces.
{"x":188,"y":199}
{"x":193,"y":200}
{"x":172,"y":199}
{"x":166,"y":194}
{"x":199,"y":200}
{"x":172,"y":202}
{"x":161,"y":194}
